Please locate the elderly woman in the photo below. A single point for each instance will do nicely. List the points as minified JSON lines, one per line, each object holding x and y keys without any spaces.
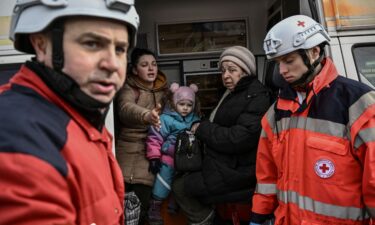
{"x":230,"y":137}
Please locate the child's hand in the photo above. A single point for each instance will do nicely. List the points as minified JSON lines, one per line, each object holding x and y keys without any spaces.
{"x":154,"y":166}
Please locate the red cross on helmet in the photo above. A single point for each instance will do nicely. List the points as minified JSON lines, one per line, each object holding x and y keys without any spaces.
{"x":293,"y":33}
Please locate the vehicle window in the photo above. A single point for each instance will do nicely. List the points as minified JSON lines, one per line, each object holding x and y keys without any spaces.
{"x":7,"y":71}
{"x":364,"y":57}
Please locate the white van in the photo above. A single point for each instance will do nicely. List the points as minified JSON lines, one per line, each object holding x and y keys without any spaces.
{"x":188,"y":36}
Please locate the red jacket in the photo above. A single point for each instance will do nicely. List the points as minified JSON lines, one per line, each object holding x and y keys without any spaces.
{"x":316,"y":160}
{"x":56,"y":168}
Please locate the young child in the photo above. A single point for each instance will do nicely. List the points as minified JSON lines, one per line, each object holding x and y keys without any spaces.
{"x":180,"y":112}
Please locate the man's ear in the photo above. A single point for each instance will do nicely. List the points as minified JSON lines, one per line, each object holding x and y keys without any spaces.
{"x":40,"y":43}
{"x":315,"y":52}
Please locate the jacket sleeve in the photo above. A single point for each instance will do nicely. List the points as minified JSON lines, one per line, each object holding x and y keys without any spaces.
{"x":33,"y":192}
{"x":362,"y":130}
{"x":368,"y":182}
{"x":128,"y":110}
{"x":240,"y":137}
{"x":264,"y":199}
{"x":154,"y":142}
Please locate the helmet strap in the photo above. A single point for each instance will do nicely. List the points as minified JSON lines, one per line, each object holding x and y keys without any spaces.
{"x":310,"y":73}
{"x":57,"y":45}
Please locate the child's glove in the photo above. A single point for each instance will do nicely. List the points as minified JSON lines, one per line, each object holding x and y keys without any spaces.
{"x":154,"y":166}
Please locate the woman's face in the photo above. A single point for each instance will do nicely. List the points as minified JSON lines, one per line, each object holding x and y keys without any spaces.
{"x":146,"y":69}
{"x":231,"y":73}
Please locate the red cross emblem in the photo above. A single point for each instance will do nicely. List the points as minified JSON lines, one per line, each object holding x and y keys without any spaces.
{"x":301,"y":23}
{"x":324,"y":168}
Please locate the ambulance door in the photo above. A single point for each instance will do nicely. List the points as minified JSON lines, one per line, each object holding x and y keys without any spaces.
{"x":358,"y":53}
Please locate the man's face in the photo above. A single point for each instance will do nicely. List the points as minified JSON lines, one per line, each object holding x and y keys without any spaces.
{"x":94,"y":55}
{"x":291,"y":66}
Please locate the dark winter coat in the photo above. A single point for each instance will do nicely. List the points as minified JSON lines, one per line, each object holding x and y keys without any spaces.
{"x":231,"y":142}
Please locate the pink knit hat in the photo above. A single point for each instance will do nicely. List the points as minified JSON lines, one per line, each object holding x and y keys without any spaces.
{"x":183,"y":92}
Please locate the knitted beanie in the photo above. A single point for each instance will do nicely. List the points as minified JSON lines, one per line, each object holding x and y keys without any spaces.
{"x":241,"y":56}
{"x":183,"y":92}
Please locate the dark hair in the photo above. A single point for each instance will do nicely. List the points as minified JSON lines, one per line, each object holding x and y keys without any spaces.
{"x":167,"y":101}
{"x":138,"y":53}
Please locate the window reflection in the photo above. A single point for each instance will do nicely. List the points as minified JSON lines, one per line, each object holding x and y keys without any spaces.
{"x":364,"y":56}
{"x":198,"y":37}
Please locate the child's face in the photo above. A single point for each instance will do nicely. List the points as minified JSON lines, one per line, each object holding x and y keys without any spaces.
{"x":184,"y":107}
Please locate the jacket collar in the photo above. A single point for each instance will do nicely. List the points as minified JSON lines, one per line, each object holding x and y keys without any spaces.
{"x":288,"y":99}
{"x":243,"y":83}
{"x":187,"y":119}
{"x":27,"y":78}
{"x":159,"y":83}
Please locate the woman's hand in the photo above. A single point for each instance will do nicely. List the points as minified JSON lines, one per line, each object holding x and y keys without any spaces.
{"x":194,"y":127}
{"x":152,"y":117}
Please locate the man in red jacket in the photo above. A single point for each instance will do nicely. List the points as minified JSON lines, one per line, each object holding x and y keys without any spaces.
{"x":56,"y":160}
{"x":316,"y":154}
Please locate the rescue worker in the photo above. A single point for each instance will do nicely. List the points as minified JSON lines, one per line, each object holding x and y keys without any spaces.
{"x":315,"y":160}
{"x":56,"y":160}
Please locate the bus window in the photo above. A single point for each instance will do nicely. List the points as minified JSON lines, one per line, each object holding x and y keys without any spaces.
{"x":364,"y":57}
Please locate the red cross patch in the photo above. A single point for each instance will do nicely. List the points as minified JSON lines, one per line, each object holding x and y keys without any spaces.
{"x":324,"y":168}
{"x":301,"y":23}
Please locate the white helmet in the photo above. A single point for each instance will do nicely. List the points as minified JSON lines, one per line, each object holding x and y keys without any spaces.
{"x":32,"y":16}
{"x":293,"y":33}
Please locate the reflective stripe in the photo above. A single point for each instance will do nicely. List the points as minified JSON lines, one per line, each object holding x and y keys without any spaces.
{"x":270,"y":115}
{"x":263,"y":134}
{"x":371,"y":211}
{"x":364,"y":136}
{"x":315,"y":125}
{"x":283,"y":124}
{"x":306,"y":203}
{"x":356,"y":110}
{"x":166,"y":185}
{"x":265,"y":189}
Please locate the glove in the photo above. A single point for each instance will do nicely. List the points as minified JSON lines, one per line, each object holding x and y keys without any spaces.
{"x":154,"y":166}
{"x":251,"y":223}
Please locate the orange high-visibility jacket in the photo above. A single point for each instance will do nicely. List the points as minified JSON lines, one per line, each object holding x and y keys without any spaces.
{"x":316,"y":160}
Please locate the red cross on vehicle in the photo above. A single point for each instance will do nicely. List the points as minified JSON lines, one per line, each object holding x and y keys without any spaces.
{"x":301,"y":23}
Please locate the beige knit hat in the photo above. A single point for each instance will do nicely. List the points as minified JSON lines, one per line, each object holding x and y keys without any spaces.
{"x":241,"y":56}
